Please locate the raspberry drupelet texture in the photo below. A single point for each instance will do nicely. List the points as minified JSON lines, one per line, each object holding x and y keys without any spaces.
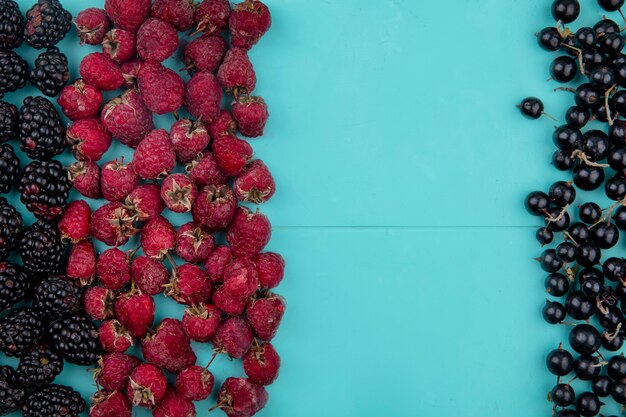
{"x":201,"y":321}
{"x":232,"y":154}
{"x":158,"y":237}
{"x":88,"y":139}
{"x":150,"y":275}
{"x":162,"y":89}
{"x":127,"y":118}
{"x":110,"y":404}
{"x":155,"y":155}
{"x":211,"y":16}
{"x":178,"y":13}
{"x":169,"y":347}
{"x":239,"y":397}
{"x":265,"y":314}
{"x":204,"y":53}
{"x":178,"y":192}
{"x":120,"y":45}
{"x":85,"y":177}
{"x":193,"y":244}
{"x":156,"y":40}
{"x":251,"y":115}
{"x":174,"y":405}
{"x":135,"y":312}
{"x":249,"y":233}
{"x":270,"y":267}
{"x":113,"y":269}
{"x":145,"y":201}
{"x":75,"y":225}
{"x":127,"y":15}
{"x":92,"y":24}
{"x":204,"y":170}
{"x":233,"y":337}
{"x":256,"y":184}
{"x":226,"y":303}
{"x":80,"y":100}
{"x":114,"y":369}
{"x":189,"y":285}
{"x":189,"y":139}
{"x":99,"y":70}
{"x":113,"y":337}
{"x":98,"y":303}
{"x":130,"y":70}
{"x":216,"y":263}
{"x":214,"y":208}
{"x":195,"y":383}
{"x":262,"y":363}
{"x":203,"y":97}
{"x":236,"y":74}
{"x":112,"y":224}
{"x":248,"y":22}
{"x":146,"y":386}
{"x":224,"y":125}
{"x":117,"y":180}
{"x":81,"y":263}
{"x":240,"y":278}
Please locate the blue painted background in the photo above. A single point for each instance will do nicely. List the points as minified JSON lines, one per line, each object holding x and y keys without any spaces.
{"x":401,"y":166}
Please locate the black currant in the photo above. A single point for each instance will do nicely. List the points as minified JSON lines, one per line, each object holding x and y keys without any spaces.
{"x":619,"y":391}
{"x":567,"y":138}
{"x":560,"y":362}
{"x":549,"y":261}
{"x":602,"y":77}
{"x":579,"y":232}
{"x":588,"y":177}
{"x":565,"y":11}
{"x":553,"y":312}
{"x":617,"y":133}
{"x":605,"y":235}
{"x":550,"y":39}
{"x":584,"y":339}
{"x":557,"y":284}
{"x":562,"y":395}
{"x":611,"y":318}
{"x":557,"y":220}
{"x":585,"y":37}
{"x":562,"y":193}
{"x":544,"y":235}
{"x":589,"y":213}
{"x":563,"y":69}
{"x":611,"y":43}
{"x":562,"y":160}
{"x":587,"y":96}
{"x":531,"y":107}
{"x":611,"y":5}
{"x":537,"y":203}
{"x":619,"y":217}
{"x":566,"y":252}
{"x":613,"y":343}
{"x":577,"y":116}
{"x":601,"y":386}
{"x":617,"y":158}
{"x":587,"y":367}
{"x":588,"y":404}
{"x":592,"y":287}
{"x":595,"y":144}
{"x":606,"y":26}
{"x":614,"y":269}
{"x":579,"y":306}
{"x":589,"y":254}
{"x":615,"y":187}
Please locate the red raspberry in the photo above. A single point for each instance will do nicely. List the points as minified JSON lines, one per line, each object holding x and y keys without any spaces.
{"x":189,"y":285}
{"x":114,"y":369}
{"x":270,"y":267}
{"x":236,"y":74}
{"x":113,"y":269}
{"x":98,"y":303}
{"x":226,"y":303}
{"x":215,"y":207}
{"x":262,"y":363}
{"x":150,"y":275}
{"x":112,"y":404}
{"x":189,"y":138}
{"x":92,"y":24}
{"x":200,"y":322}
{"x":156,"y":40}
{"x":130,"y":70}
{"x":193,"y":244}
{"x":203,"y":96}
{"x":85,"y":177}
{"x":174,"y":405}
{"x":248,"y":23}
{"x":89,"y":139}
{"x":127,"y":118}
{"x":239,"y":397}
{"x":178,"y":13}
{"x":158,"y":237}
{"x":212,"y":16}
{"x":224,"y":125}
{"x":81,"y":264}
{"x":169,"y":347}
{"x":80,"y":100}
{"x":233,"y":337}
{"x":251,"y":114}
{"x":114,"y":337}
{"x":249,"y":233}
{"x":204,"y":170}
{"x":112,"y":224}
{"x":145,"y":201}
{"x":256,"y":184}
{"x":135,"y":312}
{"x":232,"y":154}
{"x":161,"y":88}
{"x":75,"y":222}
{"x":216,"y":263}
{"x":240,"y":278}
{"x":120,"y":45}
{"x":178,"y":192}
{"x":127,"y":15}
{"x":117,"y":180}
{"x":265,"y":314}
{"x":154,"y":155}
{"x":204,"y":53}
{"x":194,"y":383}
{"x":146,"y":386}
{"x":101,"y":72}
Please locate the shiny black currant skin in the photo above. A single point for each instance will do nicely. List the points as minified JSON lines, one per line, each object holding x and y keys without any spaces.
{"x":592,"y":287}
{"x":562,"y":193}
{"x":549,"y":261}
{"x":589,"y":212}
{"x":619,"y":391}
{"x":588,"y":404}
{"x":601,"y":386}
{"x":617,"y":133}
{"x":577,"y":116}
{"x":531,"y":107}
{"x":587,"y":96}
{"x":560,"y":362}
{"x":579,"y":231}
{"x":616,"y":368}
{"x":565,"y":11}
{"x":537,"y":203}
{"x":562,"y":395}
{"x":602,"y":77}
{"x":587,"y":367}
{"x":569,"y":46}
{"x":584,"y":339}
{"x":562,"y":160}
{"x":588,"y":177}
{"x":589,"y":254}
{"x":618,"y":101}
{"x":563,"y":69}
{"x":560,"y":221}
{"x":617,"y":158}
{"x":566,"y":252}
{"x":549,"y":39}
{"x":557,"y":284}
{"x":590,"y":273}
{"x":605,"y":235}
{"x":615,"y":187}
{"x":585,"y":37}
{"x":619,"y":217}
{"x":617,"y":60}
{"x":567,"y":138}
{"x":600,"y":114}
{"x":566,"y":413}
{"x":606,"y":26}
{"x":592,"y":57}
{"x":620,"y":74}
{"x":553,"y":312}
{"x":614,"y":343}
{"x":611,"y":5}
{"x":611,"y":43}
{"x":579,"y":306}
{"x":611,"y":318}
{"x":544,"y":236}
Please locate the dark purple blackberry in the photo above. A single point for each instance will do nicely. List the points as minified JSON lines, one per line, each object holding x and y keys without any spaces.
{"x":20,"y":331}
{"x":11,"y":394}
{"x":39,"y":367}
{"x":47,"y":22}
{"x":9,"y":121}
{"x":15,"y":284}
{"x":76,"y":339}
{"x":13,"y":71}
{"x":44,"y":189}
{"x":9,"y":168}
{"x":56,"y":297}
{"x":50,"y":74}
{"x":54,"y":401}
{"x":41,"y":250}
{"x":42,"y":133}
{"x":12,"y":24}
{"x":10,"y":228}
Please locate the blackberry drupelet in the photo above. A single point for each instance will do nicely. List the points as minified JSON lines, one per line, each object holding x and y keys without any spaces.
{"x":42,"y":133}
{"x":9,"y":168}
{"x":11,"y":394}
{"x":9,"y":121}
{"x":54,"y":401}
{"x":13,"y":71}
{"x":50,"y":74}
{"x":15,"y":284}
{"x":76,"y":339}
{"x":10,"y":228}
{"x":12,"y":24}
{"x":47,"y":22}
{"x":39,"y":367}
{"x":44,"y":189}
{"x":56,"y":297}
{"x":42,"y":250}
{"x":20,"y":331}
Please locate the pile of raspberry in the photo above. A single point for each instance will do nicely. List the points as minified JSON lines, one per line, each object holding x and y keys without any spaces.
{"x":215,"y":264}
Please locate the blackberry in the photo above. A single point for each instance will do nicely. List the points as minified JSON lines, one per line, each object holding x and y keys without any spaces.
{"x":15,"y":284}
{"x":47,"y":22}
{"x":11,"y":394}
{"x":50,"y":74}
{"x":10,"y":228}
{"x":56,"y":297}
{"x":9,"y":168}
{"x":9,"y":121}
{"x":13,"y":71}
{"x":39,"y":367}
{"x":42,"y":133}
{"x":76,"y":339}
{"x":12,"y":26}
{"x":54,"y":401}
{"x":41,"y":250}
{"x":44,"y":189}
{"x":20,"y":331}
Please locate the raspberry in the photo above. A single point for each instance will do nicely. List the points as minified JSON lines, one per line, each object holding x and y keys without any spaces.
{"x":233,"y":337}
{"x":161,"y":88}
{"x":214,"y":208}
{"x":249,"y":233}
{"x":154,"y":155}
{"x":112,"y":404}
{"x":158,"y":237}
{"x":98,"y":303}
{"x":113,"y":269}
{"x":81,"y":264}
{"x":200,"y":322}
{"x":251,"y":114}
{"x":112,"y":224}
{"x":193,"y":244}
{"x":239,"y":397}
{"x":85,"y":177}
{"x":169,"y":347}
{"x":216,"y":263}
{"x":194,"y":383}
{"x":232,"y":154}
{"x":178,"y":192}
{"x":135,"y":312}
{"x":114,"y":338}
{"x":236,"y":74}
{"x":203,"y":96}
{"x":256,"y":184}
{"x":204,"y":170}
{"x":174,"y":405}
{"x":248,"y":22}
{"x":224,"y":125}
{"x":127,"y":118}
{"x":189,"y":285}
{"x":240,"y":278}
{"x":156,"y":40}
{"x":92,"y":24}
{"x":146,"y":386}
{"x":262,"y":363}
{"x":130,"y":71}
{"x":113,"y":371}
{"x":120,"y":45}
{"x":89,"y":139}
{"x":204,"y":53}
{"x":226,"y":303}
{"x":150,"y":275}
{"x":265,"y":314}
{"x":75,"y":223}
{"x":117,"y":180}
{"x":212,"y":16}
{"x":127,"y":15}
{"x":145,"y":201}
{"x":101,"y":72}
{"x":189,"y":138}
{"x":80,"y":100}
{"x":178,"y":13}
{"x":270,"y":267}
